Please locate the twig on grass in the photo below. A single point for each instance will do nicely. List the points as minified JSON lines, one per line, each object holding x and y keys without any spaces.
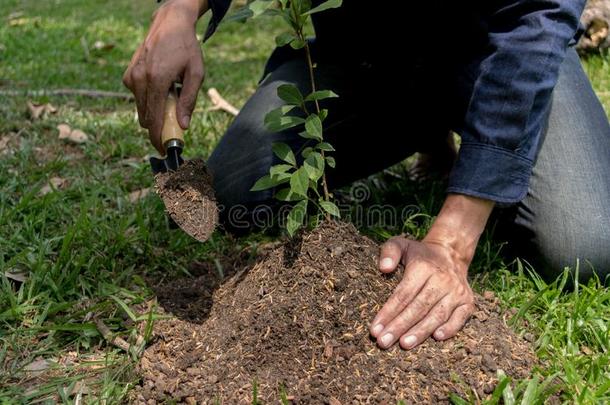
{"x":69,"y":92}
{"x":219,"y":103}
{"x":114,"y":340}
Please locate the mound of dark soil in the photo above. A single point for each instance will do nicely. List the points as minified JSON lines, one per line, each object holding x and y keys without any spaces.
{"x":297,"y":322}
{"x":189,"y":198}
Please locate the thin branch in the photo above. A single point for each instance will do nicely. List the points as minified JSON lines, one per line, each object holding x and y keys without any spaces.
{"x":114,"y":340}
{"x":69,"y":92}
{"x":219,"y":103}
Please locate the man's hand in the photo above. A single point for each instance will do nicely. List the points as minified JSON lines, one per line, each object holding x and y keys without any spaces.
{"x":433,"y":298}
{"x":170,"y":53}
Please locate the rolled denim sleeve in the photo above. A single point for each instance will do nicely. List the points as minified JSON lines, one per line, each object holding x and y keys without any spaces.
{"x":511,"y":96}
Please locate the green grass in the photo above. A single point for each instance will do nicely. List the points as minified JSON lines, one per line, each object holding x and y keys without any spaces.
{"x":85,"y":249}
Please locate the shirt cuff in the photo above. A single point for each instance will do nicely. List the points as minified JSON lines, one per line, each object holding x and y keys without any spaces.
{"x":491,"y":173}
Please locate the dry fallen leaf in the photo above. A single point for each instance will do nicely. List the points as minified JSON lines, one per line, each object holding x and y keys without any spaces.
{"x":102,"y":46}
{"x":78,"y":136}
{"x":16,"y":276}
{"x":8,"y":142}
{"x":72,"y":135}
{"x":37,"y":366}
{"x":79,"y":388}
{"x":137,"y":195}
{"x":64,"y":131}
{"x":54,"y":183}
{"x":40,"y":110}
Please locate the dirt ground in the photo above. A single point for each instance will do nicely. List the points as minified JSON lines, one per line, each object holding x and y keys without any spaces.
{"x":189,"y":198}
{"x":295,"y":323}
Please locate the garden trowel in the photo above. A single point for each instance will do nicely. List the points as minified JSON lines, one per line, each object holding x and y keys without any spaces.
{"x":184,"y":187}
{"x":172,"y":138}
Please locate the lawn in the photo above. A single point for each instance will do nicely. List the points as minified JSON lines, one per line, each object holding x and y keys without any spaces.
{"x":82,"y":253}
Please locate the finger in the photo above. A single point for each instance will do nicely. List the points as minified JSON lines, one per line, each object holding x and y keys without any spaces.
{"x":193,"y":77}
{"x":412,"y":314}
{"x":437,"y":316}
{"x":138,"y":80}
{"x":157,"y":89}
{"x":455,"y":323}
{"x":127,"y":81}
{"x":409,"y":287}
{"x":391,"y":252}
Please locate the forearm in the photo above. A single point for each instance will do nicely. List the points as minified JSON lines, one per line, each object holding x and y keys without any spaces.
{"x":460,"y":224}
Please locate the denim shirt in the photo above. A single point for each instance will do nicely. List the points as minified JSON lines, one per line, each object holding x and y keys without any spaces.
{"x":516,"y":70}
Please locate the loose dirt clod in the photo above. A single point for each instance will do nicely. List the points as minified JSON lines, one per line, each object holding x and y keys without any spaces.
{"x":296,"y":322}
{"x":189,"y":198}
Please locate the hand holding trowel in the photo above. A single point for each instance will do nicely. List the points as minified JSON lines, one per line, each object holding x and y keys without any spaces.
{"x":185,"y":187}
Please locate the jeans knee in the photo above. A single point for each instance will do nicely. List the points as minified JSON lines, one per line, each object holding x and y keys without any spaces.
{"x":583,"y":248}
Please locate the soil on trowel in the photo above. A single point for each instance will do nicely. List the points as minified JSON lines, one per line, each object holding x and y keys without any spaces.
{"x":295,"y":325}
{"x":189,"y":198}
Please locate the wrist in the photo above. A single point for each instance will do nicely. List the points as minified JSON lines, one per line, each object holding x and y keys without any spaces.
{"x":459,"y":225}
{"x":192,"y":10}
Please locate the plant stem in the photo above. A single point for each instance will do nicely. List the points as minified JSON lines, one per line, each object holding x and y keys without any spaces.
{"x":313,"y":89}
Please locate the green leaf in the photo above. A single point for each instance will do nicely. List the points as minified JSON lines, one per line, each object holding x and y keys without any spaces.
{"x":296,"y":217}
{"x":258,"y":7}
{"x":307,"y":135}
{"x":314,"y":165}
{"x":299,"y":182}
{"x":241,"y":15}
{"x":499,"y":390}
{"x":331,"y":208}
{"x":284,"y":39}
{"x":323,"y":114}
{"x":290,"y":94}
{"x":321,"y":95}
{"x":325,"y":146}
{"x":286,"y":194}
{"x":278,"y":169}
{"x":280,"y":178}
{"x":274,"y":117}
{"x":324,"y":6}
{"x":456,"y":400}
{"x":306,"y":152}
{"x":313,"y":126}
{"x":284,"y":152}
{"x":302,"y":6}
{"x":125,"y":308}
{"x":283,"y":123}
{"x":297,"y":43}
{"x":330,"y":161}
{"x":263,"y":183}
{"x":279,"y":112}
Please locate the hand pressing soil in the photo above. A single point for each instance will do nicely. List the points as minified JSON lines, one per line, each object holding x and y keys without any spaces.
{"x":297,"y":321}
{"x":189,"y":198}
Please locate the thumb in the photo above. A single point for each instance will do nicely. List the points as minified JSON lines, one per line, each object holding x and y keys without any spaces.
{"x":391,"y":253}
{"x":193,"y":77}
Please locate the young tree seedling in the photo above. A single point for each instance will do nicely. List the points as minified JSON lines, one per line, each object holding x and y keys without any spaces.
{"x":298,"y":180}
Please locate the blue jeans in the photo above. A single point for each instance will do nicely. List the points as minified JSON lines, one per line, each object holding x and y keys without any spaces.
{"x":380,"y":120}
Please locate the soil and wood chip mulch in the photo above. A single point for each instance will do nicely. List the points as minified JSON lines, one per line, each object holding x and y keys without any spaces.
{"x":296,"y":323}
{"x":189,"y":198}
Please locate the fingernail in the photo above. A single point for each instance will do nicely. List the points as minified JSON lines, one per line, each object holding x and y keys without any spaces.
{"x":377,"y":329}
{"x":387,"y":339}
{"x":439,"y":334}
{"x":386,"y":263}
{"x":410,"y":341}
{"x":187,"y":120}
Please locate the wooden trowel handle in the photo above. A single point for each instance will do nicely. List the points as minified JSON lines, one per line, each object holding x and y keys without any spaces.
{"x":171,"y":128}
